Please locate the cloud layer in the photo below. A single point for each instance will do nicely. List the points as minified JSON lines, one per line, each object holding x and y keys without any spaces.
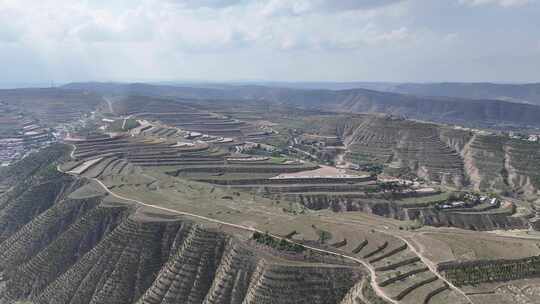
{"x":502,"y":3}
{"x":67,"y":40}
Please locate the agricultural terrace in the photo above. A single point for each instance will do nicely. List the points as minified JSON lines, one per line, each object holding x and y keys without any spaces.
{"x":192,"y":175}
{"x":170,"y":163}
{"x":173,"y":138}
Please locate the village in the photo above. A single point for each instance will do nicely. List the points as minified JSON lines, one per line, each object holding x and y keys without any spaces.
{"x":21,"y":137}
{"x":527,"y":137}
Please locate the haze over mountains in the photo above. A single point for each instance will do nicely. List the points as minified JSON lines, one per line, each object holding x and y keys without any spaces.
{"x":526,"y":93}
{"x":514,"y":92}
{"x":474,"y":105}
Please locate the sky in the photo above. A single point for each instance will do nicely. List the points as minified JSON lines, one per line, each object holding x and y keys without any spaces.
{"x":44,"y":41}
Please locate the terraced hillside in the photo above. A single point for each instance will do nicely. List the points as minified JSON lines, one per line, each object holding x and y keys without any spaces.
{"x":160,"y":145}
{"x":403,"y":146}
{"x":181,"y":115}
{"x":407,"y":145}
{"x":451,"y":156}
{"x":400,"y":272}
{"x":127,"y":164}
{"x":158,"y":214}
{"x":80,"y":243}
{"x":500,"y":164}
{"x":436,"y":153}
{"x":125,"y":161}
{"x":52,"y":106}
{"x":105,"y":156}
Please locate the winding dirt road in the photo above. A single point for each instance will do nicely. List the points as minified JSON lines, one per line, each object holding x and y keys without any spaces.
{"x":432,"y":267}
{"x":374,"y":284}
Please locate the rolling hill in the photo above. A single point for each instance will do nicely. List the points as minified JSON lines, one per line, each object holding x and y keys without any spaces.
{"x":470,"y":112}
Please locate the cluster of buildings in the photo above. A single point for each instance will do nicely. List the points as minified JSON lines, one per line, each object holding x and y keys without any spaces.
{"x":28,"y":137}
{"x":527,"y":137}
{"x":534,"y":138}
{"x":313,"y":146}
{"x":473,"y":130}
{"x":469,"y":200}
{"x":11,"y":149}
{"x":250,"y":147}
{"x":318,"y":140}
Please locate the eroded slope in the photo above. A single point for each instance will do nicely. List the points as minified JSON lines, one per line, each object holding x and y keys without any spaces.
{"x":65,"y":240}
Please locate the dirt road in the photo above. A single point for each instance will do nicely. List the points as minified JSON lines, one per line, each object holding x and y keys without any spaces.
{"x":374,"y":284}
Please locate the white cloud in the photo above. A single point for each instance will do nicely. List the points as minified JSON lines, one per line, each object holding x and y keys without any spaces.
{"x":132,"y":26}
{"x":502,"y":3}
{"x":368,"y":36}
{"x":451,"y":38}
{"x":355,"y":4}
{"x":206,"y":3}
{"x":208,"y":25}
{"x":301,"y":7}
{"x":101,"y":39}
{"x":106,"y":39}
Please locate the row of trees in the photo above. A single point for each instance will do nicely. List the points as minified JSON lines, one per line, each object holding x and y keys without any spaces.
{"x":279,"y":244}
{"x":479,"y":272}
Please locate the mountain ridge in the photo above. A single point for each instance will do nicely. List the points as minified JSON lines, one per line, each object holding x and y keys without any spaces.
{"x":470,"y":112}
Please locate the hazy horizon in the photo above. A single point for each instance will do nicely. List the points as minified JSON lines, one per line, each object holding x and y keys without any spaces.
{"x":194,"y":82}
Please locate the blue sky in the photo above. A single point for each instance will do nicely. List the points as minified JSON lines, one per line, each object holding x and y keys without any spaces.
{"x":278,"y":40}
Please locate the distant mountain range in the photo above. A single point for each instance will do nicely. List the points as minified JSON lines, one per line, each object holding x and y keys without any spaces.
{"x":524,"y":93}
{"x":477,"y":111}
